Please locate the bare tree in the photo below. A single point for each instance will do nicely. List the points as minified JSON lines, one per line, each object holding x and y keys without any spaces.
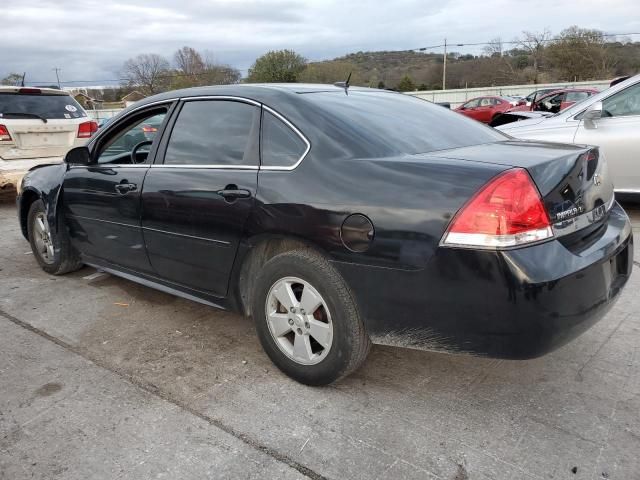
{"x":189,"y":61}
{"x":148,"y":72}
{"x":493,"y":47}
{"x":534,"y":43}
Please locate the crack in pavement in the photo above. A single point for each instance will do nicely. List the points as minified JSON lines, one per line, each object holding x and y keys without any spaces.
{"x":154,"y":390}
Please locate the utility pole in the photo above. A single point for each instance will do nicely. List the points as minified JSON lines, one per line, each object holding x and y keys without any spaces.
{"x":57,"y":77}
{"x":444,"y":67}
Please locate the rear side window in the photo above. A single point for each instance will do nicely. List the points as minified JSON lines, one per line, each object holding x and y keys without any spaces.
{"x":213,"y":132}
{"x":20,"y":105}
{"x":281,"y":146}
{"x":576,"y":96}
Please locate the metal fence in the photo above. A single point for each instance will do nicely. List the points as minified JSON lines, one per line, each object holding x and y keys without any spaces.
{"x":102,"y":115}
{"x":455,"y":96}
{"x":459,"y":96}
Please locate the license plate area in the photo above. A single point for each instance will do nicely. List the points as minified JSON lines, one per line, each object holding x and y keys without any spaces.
{"x":36,"y":140}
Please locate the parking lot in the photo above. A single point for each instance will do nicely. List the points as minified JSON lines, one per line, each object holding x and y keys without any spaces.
{"x":103,"y":378}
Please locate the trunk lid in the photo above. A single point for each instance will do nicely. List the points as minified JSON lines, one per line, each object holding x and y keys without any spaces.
{"x":573,"y":180}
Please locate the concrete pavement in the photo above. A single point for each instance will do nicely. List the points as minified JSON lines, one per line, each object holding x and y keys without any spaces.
{"x":103,"y":378}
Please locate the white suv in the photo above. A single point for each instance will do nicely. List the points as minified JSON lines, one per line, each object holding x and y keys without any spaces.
{"x":38,"y":125}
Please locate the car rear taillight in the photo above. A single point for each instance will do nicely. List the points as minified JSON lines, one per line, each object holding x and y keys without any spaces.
{"x":86,"y":129}
{"x":4,"y":134}
{"x":506,"y":212}
{"x":149,"y":129}
{"x":30,"y":91}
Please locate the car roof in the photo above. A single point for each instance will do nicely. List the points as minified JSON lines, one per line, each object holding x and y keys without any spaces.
{"x":270,"y":94}
{"x":44,"y":90}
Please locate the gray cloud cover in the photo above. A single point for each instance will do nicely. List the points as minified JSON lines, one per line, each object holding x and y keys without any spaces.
{"x":91,"y":39}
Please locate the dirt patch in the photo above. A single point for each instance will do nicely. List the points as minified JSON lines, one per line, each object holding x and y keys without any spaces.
{"x":48,"y":389}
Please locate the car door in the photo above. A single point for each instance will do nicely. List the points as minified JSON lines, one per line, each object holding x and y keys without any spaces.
{"x":199,"y":194}
{"x":469,"y":109}
{"x":617,"y":134}
{"x":102,"y":200}
{"x":485,"y":110}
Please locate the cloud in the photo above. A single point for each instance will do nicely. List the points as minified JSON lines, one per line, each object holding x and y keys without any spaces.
{"x":91,"y":40}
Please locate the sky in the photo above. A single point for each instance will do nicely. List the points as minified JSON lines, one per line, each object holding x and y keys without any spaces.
{"x":91,"y":39}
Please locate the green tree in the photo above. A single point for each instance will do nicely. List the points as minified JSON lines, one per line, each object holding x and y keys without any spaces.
{"x":277,"y":66}
{"x":381,"y":84}
{"x":581,"y":54}
{"x":13,"y":79}
{"x":406,"y":84}
{"x":330,"y":72}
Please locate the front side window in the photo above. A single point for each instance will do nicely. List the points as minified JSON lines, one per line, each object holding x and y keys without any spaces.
{"x":213,"y":132}
{"x":485,"y":102}
{"x":623,"y":104}
{"x":472,"y":103}
{"x":117,"y":148}
{"x":280,"y":146}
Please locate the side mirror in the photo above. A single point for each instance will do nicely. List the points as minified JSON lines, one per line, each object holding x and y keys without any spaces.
{"x":591,"y":114}
{"x":78,"y":156}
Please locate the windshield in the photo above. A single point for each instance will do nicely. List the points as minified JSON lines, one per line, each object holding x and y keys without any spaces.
{"x":42,"y":105}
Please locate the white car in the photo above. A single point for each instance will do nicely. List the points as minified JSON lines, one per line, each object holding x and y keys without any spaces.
{"x":38,"y":125}
{"x":609,"y":119}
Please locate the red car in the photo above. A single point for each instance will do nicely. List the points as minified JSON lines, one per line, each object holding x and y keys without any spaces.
{"x":557,"y":100}
{"x":485,"y":109}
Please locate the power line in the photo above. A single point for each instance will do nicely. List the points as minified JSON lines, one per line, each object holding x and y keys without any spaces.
{"x":510,"y":42}
{"x":431,"y":47}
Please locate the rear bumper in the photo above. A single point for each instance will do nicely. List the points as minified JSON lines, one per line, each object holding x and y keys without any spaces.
{"x":12,"y":171}
{"x":514,"y":304}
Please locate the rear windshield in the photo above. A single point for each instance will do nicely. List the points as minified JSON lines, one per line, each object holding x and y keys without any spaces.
{"x":45,"y":106}
{"x":396,"y":123}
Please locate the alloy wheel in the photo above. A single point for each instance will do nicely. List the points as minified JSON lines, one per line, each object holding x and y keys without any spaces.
{"x":299,"y":320}
{"x":42,"y":239}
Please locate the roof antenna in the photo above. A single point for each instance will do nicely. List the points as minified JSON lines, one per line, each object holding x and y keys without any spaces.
{"x":344,"y":84}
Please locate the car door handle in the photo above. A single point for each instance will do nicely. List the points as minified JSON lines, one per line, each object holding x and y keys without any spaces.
{"x":125,"y":187}
{"x":233,"y":193}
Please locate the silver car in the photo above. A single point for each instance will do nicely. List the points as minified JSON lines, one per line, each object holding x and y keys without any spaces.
{"x":609,"y":119}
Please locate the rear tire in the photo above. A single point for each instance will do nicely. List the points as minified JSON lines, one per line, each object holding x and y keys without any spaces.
{"x":317,"y":346}
{"x":52,"y":249}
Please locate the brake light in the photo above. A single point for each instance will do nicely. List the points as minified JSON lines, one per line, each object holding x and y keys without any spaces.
{"x":149,"y":129}
{"x":86,"y":129}
{"x":506,"y":212}
{"x":4,"y":134}
{"x":30,"y":91}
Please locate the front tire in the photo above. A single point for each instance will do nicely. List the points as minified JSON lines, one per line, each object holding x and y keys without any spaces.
{"x":52,"y":249}
{"x":307,"y":319}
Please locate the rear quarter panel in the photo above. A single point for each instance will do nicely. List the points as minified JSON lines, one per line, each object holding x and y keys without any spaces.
{"x":410,"y":201}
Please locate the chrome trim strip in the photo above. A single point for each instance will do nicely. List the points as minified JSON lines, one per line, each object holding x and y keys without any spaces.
{"x":298,"y":132}
{"x":571,"y":225}
{"x":218,"y":167}
{"x":221,"y":97}
{"x":187,"y":236}
{"x":104,"y":221}
{"x":107,"y":165}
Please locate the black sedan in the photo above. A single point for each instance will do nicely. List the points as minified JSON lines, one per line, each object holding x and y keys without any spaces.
{"x":338,"y":218}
